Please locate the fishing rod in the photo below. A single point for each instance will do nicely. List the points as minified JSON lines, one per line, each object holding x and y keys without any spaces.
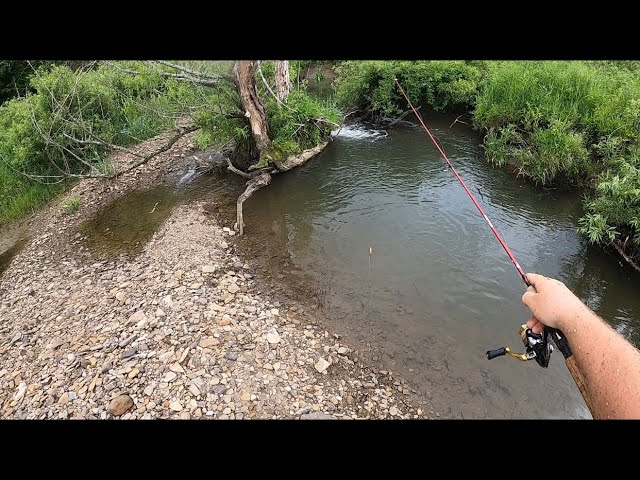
{"x":537,"y":346}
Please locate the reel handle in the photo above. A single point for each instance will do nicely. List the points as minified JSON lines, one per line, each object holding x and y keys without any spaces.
{"x":498,"y":352}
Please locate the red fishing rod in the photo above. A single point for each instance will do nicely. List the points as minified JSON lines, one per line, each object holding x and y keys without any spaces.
{"x":537,"y":345}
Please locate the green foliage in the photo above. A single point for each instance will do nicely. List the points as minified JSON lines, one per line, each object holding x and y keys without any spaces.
{"x":78,"y":110}
{"x":577,"y":122}
{"x":302,"y":123}
{"x":71,"y":205}
{"x":442,"y":85}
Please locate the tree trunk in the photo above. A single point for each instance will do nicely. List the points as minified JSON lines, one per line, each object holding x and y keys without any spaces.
{"x":283,"y":85}
{"x":244,"y":71}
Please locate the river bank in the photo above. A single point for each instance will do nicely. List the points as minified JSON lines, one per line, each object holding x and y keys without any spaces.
{"x":181,"y":330}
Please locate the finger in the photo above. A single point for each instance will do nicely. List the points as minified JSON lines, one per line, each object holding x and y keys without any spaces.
{"x":538,"y":328}
{"x":536,"y":280}
{"x":532,"y":322}
{"x":527,"y":298}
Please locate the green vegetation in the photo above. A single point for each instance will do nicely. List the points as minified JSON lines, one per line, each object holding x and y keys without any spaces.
{"x":557,"y":123}
{"x":67,"y":120}
{"x":441,"y":85}
{"x":71,"y":205}
{"x":575,"y":123}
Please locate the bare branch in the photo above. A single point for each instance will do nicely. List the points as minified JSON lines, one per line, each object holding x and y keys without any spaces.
{"x":257,"y":183}
{"x":233,"y":169}
{"x":181,"y":132}
{"x":196,"y":73}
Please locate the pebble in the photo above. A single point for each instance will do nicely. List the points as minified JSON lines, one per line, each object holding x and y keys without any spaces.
{"x":321,"y":365}
{"x":119,"y":405}
{"x":208,"y":346}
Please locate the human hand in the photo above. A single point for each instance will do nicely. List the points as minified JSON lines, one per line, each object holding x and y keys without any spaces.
{"x":551,"y":303}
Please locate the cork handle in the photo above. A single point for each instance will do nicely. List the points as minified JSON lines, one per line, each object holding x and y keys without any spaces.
{"x":577,"y":377}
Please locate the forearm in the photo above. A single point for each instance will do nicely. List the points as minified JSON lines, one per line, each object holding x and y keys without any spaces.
{"x":608,"y":363}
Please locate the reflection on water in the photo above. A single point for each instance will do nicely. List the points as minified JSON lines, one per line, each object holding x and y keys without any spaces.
{"x":440,"y":290}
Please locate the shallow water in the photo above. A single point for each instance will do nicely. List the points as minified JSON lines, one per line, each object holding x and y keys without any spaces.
{"x":440,"y":291}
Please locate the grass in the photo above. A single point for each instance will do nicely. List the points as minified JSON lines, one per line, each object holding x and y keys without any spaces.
{"x":71,"y":205}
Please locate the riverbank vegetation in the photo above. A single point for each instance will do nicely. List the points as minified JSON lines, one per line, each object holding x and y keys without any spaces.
{"x":574,"y":124}
{"x":65,"y":120}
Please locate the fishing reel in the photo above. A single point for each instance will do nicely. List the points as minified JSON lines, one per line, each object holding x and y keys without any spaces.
{"x":537,"y":347}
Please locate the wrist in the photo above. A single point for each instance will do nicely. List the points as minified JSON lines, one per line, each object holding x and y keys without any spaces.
{"x":578,"y":316}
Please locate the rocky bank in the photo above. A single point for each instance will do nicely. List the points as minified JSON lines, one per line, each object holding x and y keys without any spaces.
{"x":180,"y":331}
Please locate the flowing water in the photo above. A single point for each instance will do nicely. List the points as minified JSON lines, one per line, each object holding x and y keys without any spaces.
{"x":440,"y":290}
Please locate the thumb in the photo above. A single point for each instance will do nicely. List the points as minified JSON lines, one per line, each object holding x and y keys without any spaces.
{"x":536,"y":280}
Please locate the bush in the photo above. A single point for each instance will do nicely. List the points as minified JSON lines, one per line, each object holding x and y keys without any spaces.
{"x":64,"y":104}
{"x":570,"y":122}
{"x":442,"y":85}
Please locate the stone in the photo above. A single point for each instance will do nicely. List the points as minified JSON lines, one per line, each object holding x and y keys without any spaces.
{"x":176,"y":367}
{"x":209,"y":342}
{"x":64,"y":399}
{"x":393,"y":411}
{"x":185,"y":416}
{"x":55,"y":343}
{"x":245,"y":396}
{"x":275,"y":312}
{"x":148,"y":390}
{"x":106,"y":366}
{"x":273,"y":338}
{"x":120,"y":297}
{"x":233,"y":288}
{"x":224,"y":321}
{"x":343,"y":350}
{"x":160,"y":313}
{"x":22,"y":388}
{"x":208,"y":269}
{"x":194,"y":390}
{"x":233,"y":356}
{"x":175,"y":406}
{"x":119,"y":405}
{"x":321,"y":365}
{"x":316,"y":416}
{"x":129,"y":352}
{"x":224,"y":245}
{"x":169,"y":377}
{"x":133,"y":373}
{"x":137,"y":317}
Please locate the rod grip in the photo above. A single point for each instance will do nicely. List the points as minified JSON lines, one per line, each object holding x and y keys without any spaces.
{"x":498,"y":352}
{"x":577,"y":377}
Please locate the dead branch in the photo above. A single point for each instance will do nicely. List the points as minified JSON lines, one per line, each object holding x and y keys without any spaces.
{"x":257,"y":183}
{"x":181,"y":133}
{"x":196,"y":73}
{"x":233,"y":169}
{"x":266,"y":84}
{"x":205,"y":82}
{"x":625,"y":256}
{"x":457,"y":120}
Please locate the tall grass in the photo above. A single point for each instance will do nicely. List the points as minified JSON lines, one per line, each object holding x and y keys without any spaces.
{"x":570,"y":122}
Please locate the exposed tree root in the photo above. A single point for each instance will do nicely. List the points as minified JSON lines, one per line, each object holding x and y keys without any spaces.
{"x":625,"y":256}
{"x":257,"y":183}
